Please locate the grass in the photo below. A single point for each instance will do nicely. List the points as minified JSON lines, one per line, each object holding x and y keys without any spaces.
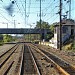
{"x":36,"y":41}
{"x":68,"y":46}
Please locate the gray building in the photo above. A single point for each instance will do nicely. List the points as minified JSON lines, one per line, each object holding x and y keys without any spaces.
{"x":68,"y":29}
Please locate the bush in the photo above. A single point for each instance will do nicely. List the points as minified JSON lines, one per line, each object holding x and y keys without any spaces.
{"x":73,"y":46}
{"x":68,"y":47}
{"x":1,"y":42}
{"x":36,"y":41}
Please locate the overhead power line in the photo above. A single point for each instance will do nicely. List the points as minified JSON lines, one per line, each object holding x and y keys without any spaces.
{"x":19,"y":9}
{"x":6,"y":18}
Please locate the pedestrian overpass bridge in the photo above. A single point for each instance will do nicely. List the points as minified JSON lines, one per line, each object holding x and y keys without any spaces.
{"x":24,"y":31}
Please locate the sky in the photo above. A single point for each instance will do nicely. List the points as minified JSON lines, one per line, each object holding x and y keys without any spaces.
{"x":12,"y":15}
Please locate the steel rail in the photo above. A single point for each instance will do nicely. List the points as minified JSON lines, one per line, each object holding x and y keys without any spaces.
{"x":66,"y":70}
{"x":6,"y":51}
{"x":30,"y":60}
{"x":35,"y":64}
{"x":63,"y":64}
{"x":19,"y":64}
{"x":6,"y":58}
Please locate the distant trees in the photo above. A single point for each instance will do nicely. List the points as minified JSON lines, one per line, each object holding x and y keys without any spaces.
{"x":7,"y":38}
{"x":52,"y":31}
{"x":1,"y":39}
{"x":46,"y":25}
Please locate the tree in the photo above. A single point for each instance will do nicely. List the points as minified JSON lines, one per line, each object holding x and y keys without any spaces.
{"x":44,"y":25}
{"x":7,"y":38}
{"x":1,"y":39}
{"x":52,"y":28}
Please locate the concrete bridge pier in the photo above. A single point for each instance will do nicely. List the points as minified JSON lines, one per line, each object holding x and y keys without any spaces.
{"x":44,"y":35}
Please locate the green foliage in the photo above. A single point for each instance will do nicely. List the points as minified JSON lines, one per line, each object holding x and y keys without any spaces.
{"x":1,"y":42}
{"x":52,"y":31}
{"x":32,"y":37}
{"x":1,"y":39}
{"x":7,"y":38}
{"x":44,"y":25}
{"x":73,"y":47}
{"x":36,"y":41}
{"x":68,"y":46}
{"x":52,"y":28}
{"x":49,"y":36}
{"x":1,"y":35}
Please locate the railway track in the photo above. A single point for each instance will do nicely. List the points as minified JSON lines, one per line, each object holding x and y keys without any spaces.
{"x":60,"y":64}
{"x":5,"y":56}
{"x":29,"y":66}
{"x":45,"y":66}
{"x":18,"y":61}
{"x":66,"y":66}
{"x":7,"y":60}
{"x":29,"y":59}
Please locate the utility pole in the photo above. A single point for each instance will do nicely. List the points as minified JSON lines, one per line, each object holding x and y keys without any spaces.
{"x":6,"y":24}
{"x":25,"y":11}
{"x":14,"y":24}
{"x":40,"y":21}
{"x":69,"y":9}
{"x":30,"y":31}
{"x":60,"y":26}
{"x":25,"y":18}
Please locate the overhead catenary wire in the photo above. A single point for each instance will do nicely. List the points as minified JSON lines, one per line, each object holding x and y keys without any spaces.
{"x":6,"y":18}
{"x":22,"y":5}
{"x":52,"y":10}
{"x":45,"y":18}
{"x":19,"y":9}
{"x":54,"y":19}
{"x":24,"y":8}
{"x":2,"y":15}
{"x":48,"y":7}
{"x":25,"y":11}
{"x":29,"y":9}
{"x":47,"y":13}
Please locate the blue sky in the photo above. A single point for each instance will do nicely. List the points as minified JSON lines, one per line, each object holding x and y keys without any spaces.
{"x":49,"y":9}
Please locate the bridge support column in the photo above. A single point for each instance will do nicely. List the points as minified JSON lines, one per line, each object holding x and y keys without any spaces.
{"x":44,"y":35}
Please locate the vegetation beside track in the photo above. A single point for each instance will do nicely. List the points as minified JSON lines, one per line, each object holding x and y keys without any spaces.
{"x":5,"y":39}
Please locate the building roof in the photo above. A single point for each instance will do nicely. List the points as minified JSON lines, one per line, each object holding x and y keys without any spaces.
{"x":68,"y":22}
